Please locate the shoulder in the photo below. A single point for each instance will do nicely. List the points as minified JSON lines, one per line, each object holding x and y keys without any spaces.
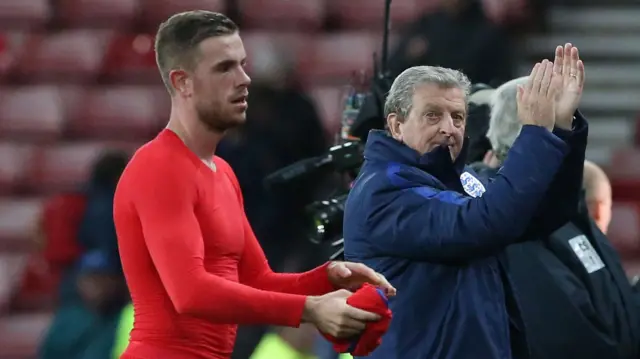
{"x":154,"y":165}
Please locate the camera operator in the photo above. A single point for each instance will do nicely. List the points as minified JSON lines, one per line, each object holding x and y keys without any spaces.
{"x":419,"y":216}
{"x":574,"y":298}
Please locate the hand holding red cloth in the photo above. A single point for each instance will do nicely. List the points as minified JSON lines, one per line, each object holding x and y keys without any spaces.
{"x":371,"y":299}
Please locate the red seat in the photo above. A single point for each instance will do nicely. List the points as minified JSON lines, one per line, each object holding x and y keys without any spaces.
{"x":131,"y":59}
{"x":122,"y":112}
{"x":157,"y":11}
{"x":304,"y":15}
{"x":92,"y":13}
{"x":24,"y":13}
{"x":624,"y":230}
{"x":34,"y":112}
{"x":328,"y":103}
{"x":625,"y":163}
{"x":72,"y":55}
{"x":12,"y":267}
{"x":336,"y":57}
{"x":64,"y":166}
{"x":624,"y":171}
{"x":358,"y":14}
{"x":14,"y":164}
{"x":20,"y":334}
{"x":264,"y":47}
{"x":67,"y":166}
{"x":11,"y":45}
{"x":19,"y":219}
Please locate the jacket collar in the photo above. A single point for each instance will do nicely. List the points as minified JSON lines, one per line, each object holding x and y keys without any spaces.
{"x":382,"y":147}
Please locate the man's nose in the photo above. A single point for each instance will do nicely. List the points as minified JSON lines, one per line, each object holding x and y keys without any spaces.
{"x":446,"y":125}
{"x":244,"y":80}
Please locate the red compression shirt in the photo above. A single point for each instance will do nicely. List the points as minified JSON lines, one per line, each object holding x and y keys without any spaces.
{"x":192,"y":263}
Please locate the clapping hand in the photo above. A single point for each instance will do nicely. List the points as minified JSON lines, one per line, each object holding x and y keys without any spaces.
{"x":568,"y":66}
{"x":537,"y":98}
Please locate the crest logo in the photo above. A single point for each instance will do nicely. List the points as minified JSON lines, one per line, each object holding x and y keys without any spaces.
{"x":472,"y":185}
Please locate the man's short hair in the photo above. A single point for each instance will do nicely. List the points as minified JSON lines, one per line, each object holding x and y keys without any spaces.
{"x":400,"y":97}
{"x":178,"y":38}
{"x":504,"y":124}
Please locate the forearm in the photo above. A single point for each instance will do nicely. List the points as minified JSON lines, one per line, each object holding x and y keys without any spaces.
{"x":223,"y":301}
{"x":313,"y":282}
{"x":562,"y":200}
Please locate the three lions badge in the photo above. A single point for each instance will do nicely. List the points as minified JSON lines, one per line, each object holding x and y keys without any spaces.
{"x":472,"y":185}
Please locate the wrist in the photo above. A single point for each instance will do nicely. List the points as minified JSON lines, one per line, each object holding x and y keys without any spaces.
{"x":308,"y":313}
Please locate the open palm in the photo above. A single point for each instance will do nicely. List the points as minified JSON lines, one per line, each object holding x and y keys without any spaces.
{"x":567,"y":64}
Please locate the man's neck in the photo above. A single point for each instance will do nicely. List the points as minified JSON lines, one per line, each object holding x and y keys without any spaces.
{"x":195,"y":135}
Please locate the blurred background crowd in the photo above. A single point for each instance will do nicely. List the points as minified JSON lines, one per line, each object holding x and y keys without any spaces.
{"x":79,"y":92}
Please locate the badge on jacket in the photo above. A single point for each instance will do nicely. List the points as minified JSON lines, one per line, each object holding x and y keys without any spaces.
{"x":586,"y":253}
{"x":472,"y":185}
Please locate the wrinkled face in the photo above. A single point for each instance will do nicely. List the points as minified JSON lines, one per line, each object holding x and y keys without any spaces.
{"x":218,"y":85}
{"x":437,"y":118}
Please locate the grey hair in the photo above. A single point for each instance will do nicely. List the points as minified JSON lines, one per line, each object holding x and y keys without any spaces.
{"x":400,"y":97}
{"x":504,"y":124}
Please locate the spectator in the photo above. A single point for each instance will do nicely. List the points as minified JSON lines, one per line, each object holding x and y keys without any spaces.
{"x":93,"y":291}
{"x":579,"y":286}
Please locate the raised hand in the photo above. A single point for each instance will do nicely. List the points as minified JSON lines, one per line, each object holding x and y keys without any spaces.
{"x":570,"y":68}
{"x":537,"y":98}
{"x":332,"y":315}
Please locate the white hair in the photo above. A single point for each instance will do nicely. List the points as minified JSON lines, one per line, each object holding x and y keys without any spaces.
{"x":400,"y":97}
{"x":504,"y":124}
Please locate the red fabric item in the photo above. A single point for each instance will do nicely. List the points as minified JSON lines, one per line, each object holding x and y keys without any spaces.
{"x":371,"y":299}
{"x":60,"y":224}
{"x":193,"y":265}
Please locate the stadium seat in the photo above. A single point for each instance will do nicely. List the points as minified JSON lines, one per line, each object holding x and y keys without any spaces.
{"x":124,"y":112}
{"x":68,"y":56}
{"x":131,"y":59}
{"x":20,"y":334}
{"x":62,"y":167}
{"x":98,"y":13}
{"x":14,"y":163}
{"x":24,"y":14}
{"x":625,"y":162}
{"x":328,"y":102}
{"x":11,"y":45}
{"x":157,"y":11}
{"x":336,"y":57}
{"x":624,"y":172}
{"x":19,"y":220}
{"x":66,"y":167}
{"x":265,"y":47}
{"x":624,"y":230}
{"x":12,"y":266}
{"x":307,"y":15}
{"x":358,"y":14}
{"x":31,"y":112}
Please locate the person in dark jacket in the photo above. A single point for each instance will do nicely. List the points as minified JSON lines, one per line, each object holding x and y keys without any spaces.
{"x":575,"y":300}
{"x":420,"y":217}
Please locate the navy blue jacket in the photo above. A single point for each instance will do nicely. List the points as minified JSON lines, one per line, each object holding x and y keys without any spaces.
{"x":434,"y":231}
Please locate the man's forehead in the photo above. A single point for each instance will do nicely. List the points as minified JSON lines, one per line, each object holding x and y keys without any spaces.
{"x":225,"y":47}
{"x":432,"y":94}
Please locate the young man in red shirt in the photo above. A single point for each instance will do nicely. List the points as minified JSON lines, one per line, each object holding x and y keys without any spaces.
{"x":193,"y":265}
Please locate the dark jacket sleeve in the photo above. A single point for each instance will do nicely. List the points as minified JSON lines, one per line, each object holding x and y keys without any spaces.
{"x":437,"y":225}
{"x":561,"y":202}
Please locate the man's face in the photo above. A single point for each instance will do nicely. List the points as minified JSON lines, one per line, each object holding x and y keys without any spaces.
{"x":220,"y":83}
{"x":437,"y":118}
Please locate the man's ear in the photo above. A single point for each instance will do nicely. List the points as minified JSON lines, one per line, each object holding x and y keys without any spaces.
{"x":181,"y":82}
{"x":393,"y":123}
{"x":595,"y":209}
